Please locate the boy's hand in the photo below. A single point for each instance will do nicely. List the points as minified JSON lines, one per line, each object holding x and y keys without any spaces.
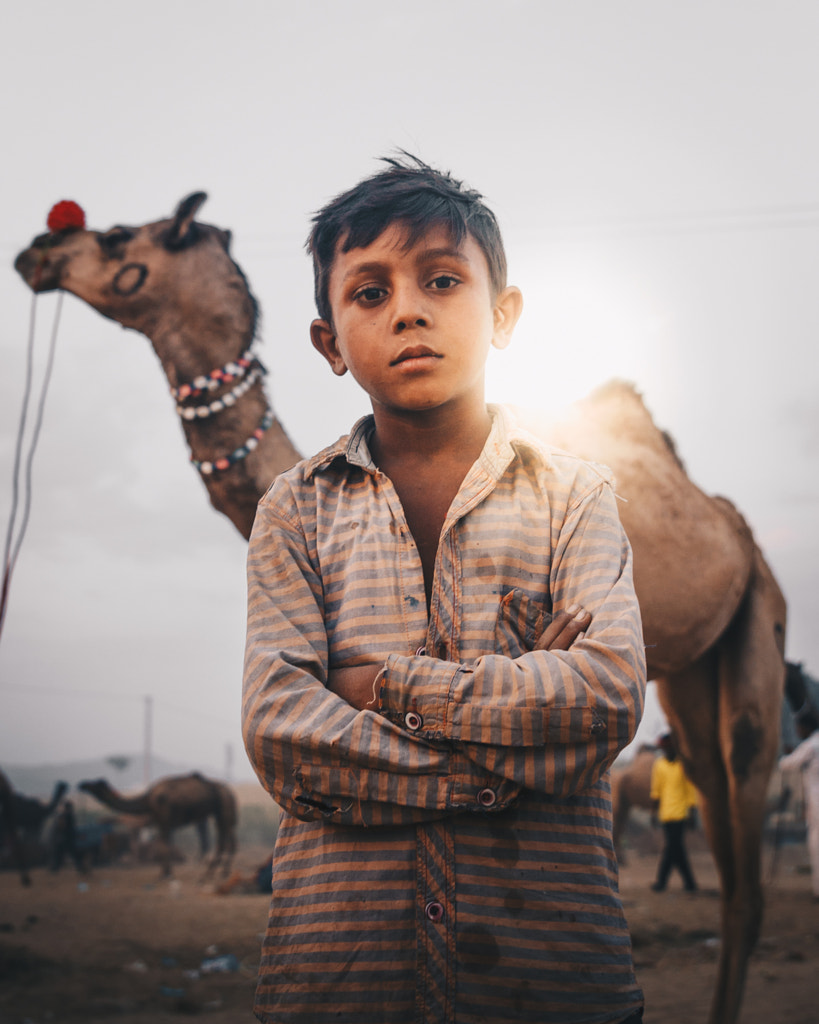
{"x":564,"y":629}
{"x":355,"y":685}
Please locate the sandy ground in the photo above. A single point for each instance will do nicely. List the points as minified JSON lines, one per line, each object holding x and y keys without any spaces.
{"x":122,"y":946}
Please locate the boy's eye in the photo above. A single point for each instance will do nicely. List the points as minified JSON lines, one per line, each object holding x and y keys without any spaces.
{"x":370,"y":293}
{"x":443,"y":282}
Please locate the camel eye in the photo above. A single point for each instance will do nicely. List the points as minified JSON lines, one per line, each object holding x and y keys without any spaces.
{"x":116,"y":237}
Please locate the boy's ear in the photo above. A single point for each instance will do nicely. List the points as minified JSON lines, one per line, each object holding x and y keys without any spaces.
{"x":324,"y":340}
{"x":508,"y":307}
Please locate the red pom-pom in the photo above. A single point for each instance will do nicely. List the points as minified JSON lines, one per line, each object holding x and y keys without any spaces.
{"x":64,"y":215}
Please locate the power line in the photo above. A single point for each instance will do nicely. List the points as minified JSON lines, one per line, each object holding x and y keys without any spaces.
{"x":750,"y":219}
{"x":63,"y":691}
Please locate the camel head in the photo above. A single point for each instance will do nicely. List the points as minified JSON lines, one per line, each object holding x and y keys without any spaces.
{"x":157,"y":279}
{"x":60,"y":789}
{"x":95,"y":787}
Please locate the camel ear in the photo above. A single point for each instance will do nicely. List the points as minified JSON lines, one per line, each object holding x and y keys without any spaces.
{"x":182,"y":232}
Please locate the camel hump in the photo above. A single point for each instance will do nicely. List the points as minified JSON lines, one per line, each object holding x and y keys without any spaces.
{"x":693,"y":557}
{"x":693,"y":553}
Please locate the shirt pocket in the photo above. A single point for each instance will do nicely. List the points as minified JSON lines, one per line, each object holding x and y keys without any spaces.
{"x":521,"y":620}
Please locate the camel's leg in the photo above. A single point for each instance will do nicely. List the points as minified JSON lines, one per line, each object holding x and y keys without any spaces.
{"x":690,"y":700}
{"x":204,"y":838}
{"x":752,"y":678}
{"x":211,"y":864}
{"x":218,"y":853}
{"x":165,"y":837}
{"x":226,"y":850}
{"x":726,"y":711}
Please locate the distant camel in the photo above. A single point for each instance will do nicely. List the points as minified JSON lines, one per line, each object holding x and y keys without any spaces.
{"x":176,"y":801}
{"x":31,"y":814}
{"x":631,"y":787}
{"x":22,"y":818}
{"x":8,"y":821}
{"x":713,"y":615}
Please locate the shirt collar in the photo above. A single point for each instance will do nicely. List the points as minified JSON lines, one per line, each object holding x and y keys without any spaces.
{"x":507,"y":440}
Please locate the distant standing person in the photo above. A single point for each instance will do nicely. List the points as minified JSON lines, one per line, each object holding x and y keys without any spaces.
{"x":806,"y":757}
{"x":673,"y":801}
{"x":64,"y":838}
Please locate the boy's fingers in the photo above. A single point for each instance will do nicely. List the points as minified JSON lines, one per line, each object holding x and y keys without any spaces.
{"x":563,"y":630}
{"x":552,"y":631}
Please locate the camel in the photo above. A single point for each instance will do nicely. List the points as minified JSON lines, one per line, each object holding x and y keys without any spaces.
{"x":31,"y":814}
{"x":631,"y":787}
{"x":8,"y":827}
{"x":23,"y":819}
{"x":713,"y":614}
{"x":174,"y":802}
{"x":138,"y":278}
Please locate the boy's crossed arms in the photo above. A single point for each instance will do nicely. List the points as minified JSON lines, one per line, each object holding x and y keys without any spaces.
{"x":356,"y":684}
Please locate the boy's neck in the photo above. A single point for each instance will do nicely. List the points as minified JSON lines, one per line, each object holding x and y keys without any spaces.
{"x":448,"y":433}
{"x":426,"y":455}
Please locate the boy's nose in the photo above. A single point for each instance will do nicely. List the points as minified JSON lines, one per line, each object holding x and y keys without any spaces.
{"x":404,"y":323}
{"x":410,"y":310}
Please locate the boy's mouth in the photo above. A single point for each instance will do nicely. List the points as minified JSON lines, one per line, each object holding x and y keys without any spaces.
{"x":415,"y":352}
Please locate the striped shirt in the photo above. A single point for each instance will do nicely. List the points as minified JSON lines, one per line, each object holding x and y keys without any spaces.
{"x":447,"y":857}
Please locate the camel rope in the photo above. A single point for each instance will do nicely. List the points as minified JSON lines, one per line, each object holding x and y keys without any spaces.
{"x":13,"y":545}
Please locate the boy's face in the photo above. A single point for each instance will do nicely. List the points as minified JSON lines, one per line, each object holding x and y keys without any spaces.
{"x":414,"y":326}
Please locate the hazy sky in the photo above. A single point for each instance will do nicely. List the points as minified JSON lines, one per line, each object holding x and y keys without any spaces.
{"x":654,"y":166}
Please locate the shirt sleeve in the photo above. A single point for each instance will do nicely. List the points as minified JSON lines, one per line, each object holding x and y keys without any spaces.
{"x":548,"y":721}
{"x":317,"y":756}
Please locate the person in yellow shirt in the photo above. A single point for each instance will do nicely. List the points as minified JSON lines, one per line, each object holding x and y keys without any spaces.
{"x":673,"y":801}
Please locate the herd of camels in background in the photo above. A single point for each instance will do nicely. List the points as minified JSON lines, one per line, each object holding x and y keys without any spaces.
{"x":714,"y":617}
{"x":165,"y":806}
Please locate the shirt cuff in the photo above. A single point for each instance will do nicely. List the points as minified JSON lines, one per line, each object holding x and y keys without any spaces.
{"x":414,"y":693}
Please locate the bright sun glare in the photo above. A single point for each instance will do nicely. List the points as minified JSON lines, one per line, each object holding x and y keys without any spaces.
{"x":583,"y":323}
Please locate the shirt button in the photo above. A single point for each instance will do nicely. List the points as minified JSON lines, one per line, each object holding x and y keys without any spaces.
{"x":421,"y":652}
{"x":434,"y":911}
{"x":413,"y":721}
{"x":486,"y":797}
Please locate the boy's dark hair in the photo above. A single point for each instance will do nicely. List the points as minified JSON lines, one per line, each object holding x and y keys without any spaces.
{"x":418,"y":196}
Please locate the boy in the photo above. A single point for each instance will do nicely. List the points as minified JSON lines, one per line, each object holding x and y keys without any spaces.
{"x":410,"y":700}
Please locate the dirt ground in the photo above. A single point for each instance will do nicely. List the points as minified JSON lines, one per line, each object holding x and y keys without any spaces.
{"x":120,"y":945}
